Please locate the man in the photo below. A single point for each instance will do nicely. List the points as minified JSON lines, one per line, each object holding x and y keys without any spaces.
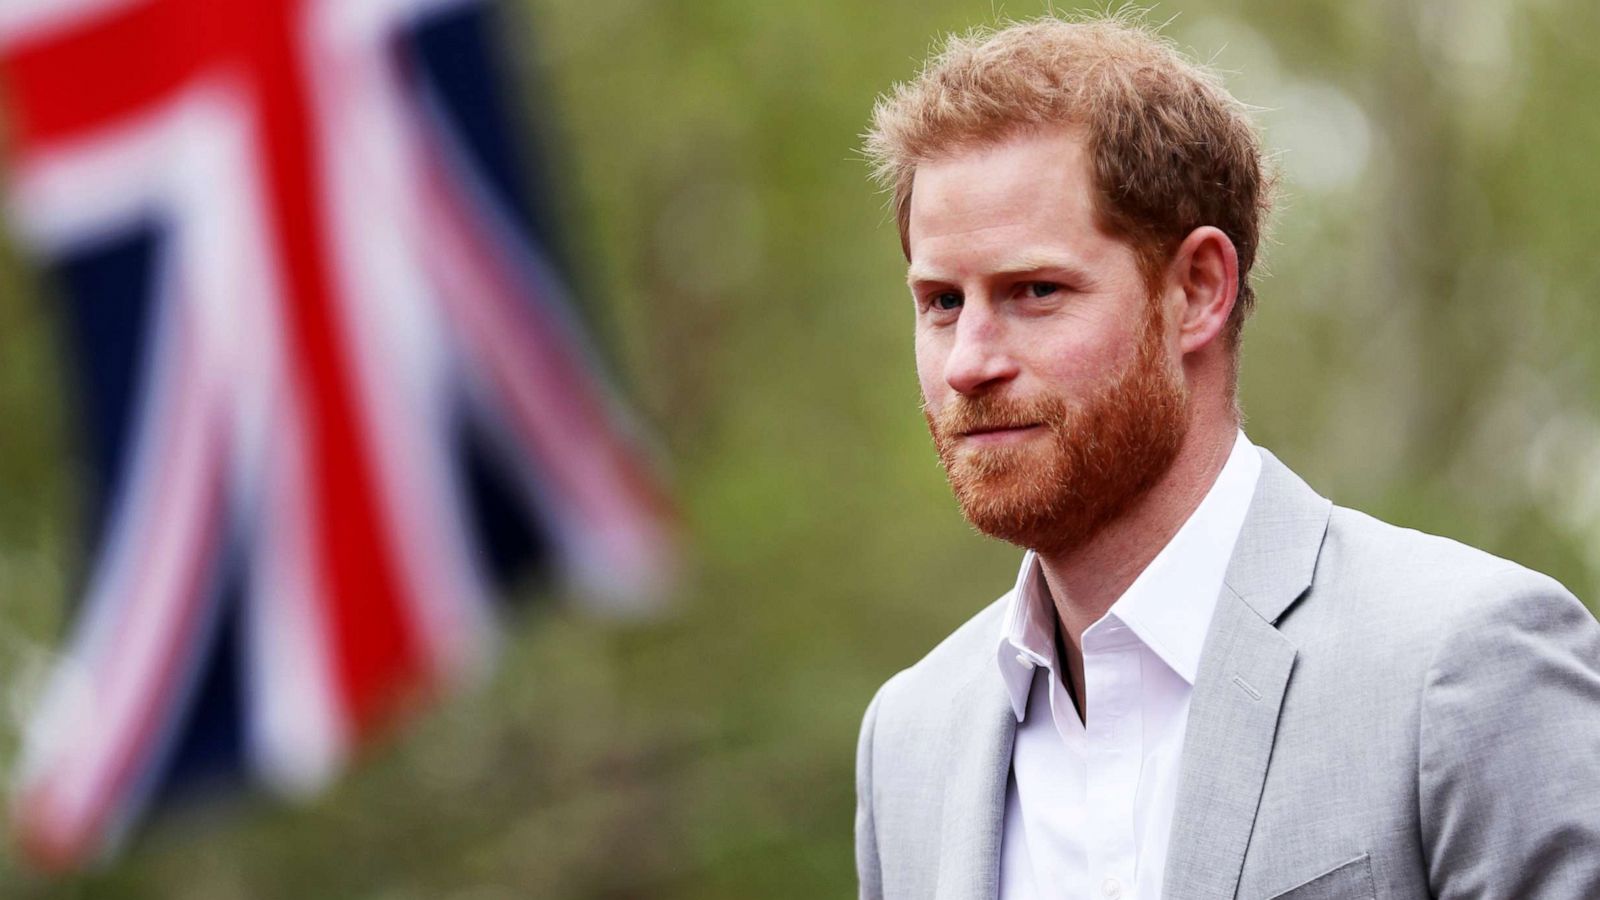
{"x":1208,"y":682}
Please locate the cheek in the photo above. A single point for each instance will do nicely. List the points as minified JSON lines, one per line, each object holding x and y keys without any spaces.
{"x":1071,"y":358}
{"x":930,"y":371}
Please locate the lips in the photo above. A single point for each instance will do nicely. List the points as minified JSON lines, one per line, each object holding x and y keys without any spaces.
{"x":992,"y":428}
{"x":998,"y":429}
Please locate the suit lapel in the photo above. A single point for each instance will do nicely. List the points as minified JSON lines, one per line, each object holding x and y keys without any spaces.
{"x":983,"y":726}
{"x":1239,"y":689}
{"x":1233,"y":720}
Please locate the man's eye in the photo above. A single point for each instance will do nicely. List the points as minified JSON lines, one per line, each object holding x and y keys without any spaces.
{"x":945,"y":300}
{"x":1042,"y":288}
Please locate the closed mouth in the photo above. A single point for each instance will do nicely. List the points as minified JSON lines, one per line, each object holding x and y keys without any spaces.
{"x":998,"y":429}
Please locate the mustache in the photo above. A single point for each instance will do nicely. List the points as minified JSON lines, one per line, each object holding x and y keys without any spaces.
{"x":965,"y":415}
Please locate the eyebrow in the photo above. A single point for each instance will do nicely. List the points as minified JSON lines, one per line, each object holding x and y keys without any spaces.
{"x":1022,"y":265}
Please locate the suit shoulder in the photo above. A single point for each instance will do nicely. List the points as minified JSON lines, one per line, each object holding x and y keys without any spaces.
{"x":953,"y":662}
{"x":1357,"y":539}
{"x":1392,"y":571}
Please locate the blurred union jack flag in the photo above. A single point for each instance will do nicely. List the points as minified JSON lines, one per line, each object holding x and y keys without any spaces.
{"x":332,"y":389}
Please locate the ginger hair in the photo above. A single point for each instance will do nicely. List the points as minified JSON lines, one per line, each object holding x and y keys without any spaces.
{"x":1171,"y":150}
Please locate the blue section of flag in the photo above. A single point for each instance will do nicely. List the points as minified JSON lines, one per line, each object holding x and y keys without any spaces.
{"x":459,"y":66}
{"x":208,"y":748}
{"x":515,"y":545}
{"x":108,"y":306}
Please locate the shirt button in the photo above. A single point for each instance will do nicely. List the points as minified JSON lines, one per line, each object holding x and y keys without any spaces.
{"x":1023,"y":658}
{"x":1111,"y":888}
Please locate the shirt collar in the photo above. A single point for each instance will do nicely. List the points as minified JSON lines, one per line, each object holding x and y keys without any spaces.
{"x":1169,"y":605}
{"x":1027,"y":637}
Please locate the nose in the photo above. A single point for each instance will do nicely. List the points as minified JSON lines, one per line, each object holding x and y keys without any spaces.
{"x":980,"y":358}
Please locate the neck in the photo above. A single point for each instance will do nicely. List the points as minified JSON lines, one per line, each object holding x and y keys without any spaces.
{"x":1087,"y":579}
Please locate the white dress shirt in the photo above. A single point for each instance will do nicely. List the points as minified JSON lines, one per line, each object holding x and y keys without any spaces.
{"x":1089,"y":805}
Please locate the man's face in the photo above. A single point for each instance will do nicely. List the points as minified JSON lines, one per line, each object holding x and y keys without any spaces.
{"x":1049,"y":377}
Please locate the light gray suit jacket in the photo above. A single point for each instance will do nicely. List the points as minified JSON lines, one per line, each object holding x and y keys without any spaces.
{"x":1378,"y":713}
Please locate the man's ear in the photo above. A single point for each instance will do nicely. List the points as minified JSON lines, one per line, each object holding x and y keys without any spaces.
{"x":1205,"y":273}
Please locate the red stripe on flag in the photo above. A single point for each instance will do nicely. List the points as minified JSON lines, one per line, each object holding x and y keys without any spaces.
{"x":377,"y":657}
{"x":118,"y":64}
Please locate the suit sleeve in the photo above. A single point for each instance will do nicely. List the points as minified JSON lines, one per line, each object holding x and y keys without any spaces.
{"x":1509,"y":750}
{"x":868,"y":870}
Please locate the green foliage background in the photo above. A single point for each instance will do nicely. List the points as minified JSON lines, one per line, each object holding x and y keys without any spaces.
{"x":1424,"y":349}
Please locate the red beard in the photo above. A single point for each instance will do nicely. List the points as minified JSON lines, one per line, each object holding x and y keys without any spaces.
{"x":1054,"y":492}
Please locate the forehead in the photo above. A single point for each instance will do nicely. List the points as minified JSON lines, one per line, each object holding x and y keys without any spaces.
{"x":1032,"y":188}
